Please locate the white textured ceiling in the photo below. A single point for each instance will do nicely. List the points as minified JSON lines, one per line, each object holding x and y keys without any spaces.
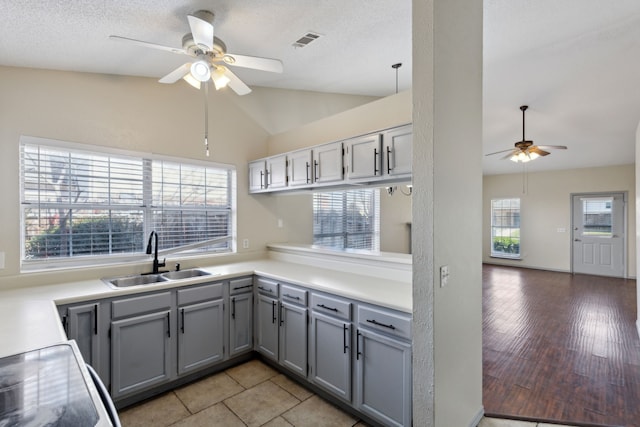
{"x":576,"y":63}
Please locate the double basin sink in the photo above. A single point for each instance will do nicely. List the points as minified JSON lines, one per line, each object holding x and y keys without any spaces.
{"x":149,"y":279}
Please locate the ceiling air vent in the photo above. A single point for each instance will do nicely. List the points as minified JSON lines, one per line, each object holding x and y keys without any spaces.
{"x":305,"y":40}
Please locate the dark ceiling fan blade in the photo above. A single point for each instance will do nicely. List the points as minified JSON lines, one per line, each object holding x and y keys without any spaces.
{"x":552,"y":147}
{"x":202,"y":28}
{"x":501,"y":151}
{"x":538,"y":151}
{"x":255,"y":62}
{"x":236,"y":84}
{"x":176,"y":74}
{"x":151,"y":45}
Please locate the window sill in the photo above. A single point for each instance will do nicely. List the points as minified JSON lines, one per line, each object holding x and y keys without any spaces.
{"x":514,"y":258}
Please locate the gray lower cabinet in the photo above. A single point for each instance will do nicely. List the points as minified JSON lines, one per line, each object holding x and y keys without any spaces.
{"x":330,"y":351}
{"x":293,"y":329}
{"x":141,"y":343}
{"x":84,"y":324}
{"x":240,"y":318}
{"x":383,"y":365}
{"x":267,"y":318}
{"x":200,"y":326}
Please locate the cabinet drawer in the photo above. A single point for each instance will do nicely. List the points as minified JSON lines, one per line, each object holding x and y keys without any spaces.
{"x":267,"y":287}
{"x":140,"y":305}
{"x":331,"y":305}
{"x":293,"y":295}
{"x":200,"y":293}
{"x":237,"y":286}
{"x":392,"y":323}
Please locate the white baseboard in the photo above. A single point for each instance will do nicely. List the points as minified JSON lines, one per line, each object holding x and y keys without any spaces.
{"x":476,"y":420}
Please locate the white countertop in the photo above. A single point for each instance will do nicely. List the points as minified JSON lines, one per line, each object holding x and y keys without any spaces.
{"x":29,"y":318}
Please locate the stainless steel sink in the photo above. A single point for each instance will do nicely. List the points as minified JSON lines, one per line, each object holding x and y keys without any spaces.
{"x":142,"y":279}
{"x":185,"y":274}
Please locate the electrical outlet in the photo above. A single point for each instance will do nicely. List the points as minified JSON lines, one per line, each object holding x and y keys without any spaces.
{"x":245,"y":244}
{"x":444,"y":275}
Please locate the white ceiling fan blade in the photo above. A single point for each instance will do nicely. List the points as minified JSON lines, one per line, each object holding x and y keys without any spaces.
{"x":202,"y":31}
{"x":498,"y":152}
{"x":176,"y":74}
{"x":511,"y":154}
{"x":151,"y":45}
{"x":236,"y":84}
{"x":255,"y":62}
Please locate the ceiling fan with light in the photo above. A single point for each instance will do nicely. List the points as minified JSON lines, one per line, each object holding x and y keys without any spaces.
{"x":524,"y":150}
{"x":211,"y":59}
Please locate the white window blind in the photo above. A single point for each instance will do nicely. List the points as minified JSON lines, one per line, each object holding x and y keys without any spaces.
{"x":78,"y":203}
{"x":347,"y":219}
{"x":505,"y":228}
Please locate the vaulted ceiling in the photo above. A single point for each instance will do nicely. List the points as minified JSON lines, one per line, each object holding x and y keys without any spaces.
{"x":576,"y":63}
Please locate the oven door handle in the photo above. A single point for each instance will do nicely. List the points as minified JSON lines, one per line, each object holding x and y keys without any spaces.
{"x":104,"y":397}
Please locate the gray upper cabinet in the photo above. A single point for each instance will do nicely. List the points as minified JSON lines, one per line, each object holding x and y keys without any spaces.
{"x":293,"y":329}
{"x":257,"y":176}
{"x":201,"y":327}
{"x":142,"y":340}
{"x":240,"y":316}
{"x":267,"y":322}
{"x":330,"y":345}
{"x":397,"y":151}
{"x":363,"y":157}
{"x":327,"y":163}
{"x":379,"y":157}
{"x":300,"y":170}
{"x":277,"y":172}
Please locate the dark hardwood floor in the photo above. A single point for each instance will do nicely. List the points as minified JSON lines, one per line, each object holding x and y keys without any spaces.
{"x":560,"y":347}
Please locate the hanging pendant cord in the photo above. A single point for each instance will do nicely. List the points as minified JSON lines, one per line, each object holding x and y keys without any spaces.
{"x":206,"y":117}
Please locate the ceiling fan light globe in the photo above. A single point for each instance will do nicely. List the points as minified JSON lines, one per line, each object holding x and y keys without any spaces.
{"x":533,"y":156}
{"x":201,"y":71}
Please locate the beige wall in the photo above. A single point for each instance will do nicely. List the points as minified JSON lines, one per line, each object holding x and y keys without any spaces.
{"x":546,"y":207}
{"x":142,"y":115}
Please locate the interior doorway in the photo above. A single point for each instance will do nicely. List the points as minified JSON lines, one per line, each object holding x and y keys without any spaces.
{"x":599,"y":234}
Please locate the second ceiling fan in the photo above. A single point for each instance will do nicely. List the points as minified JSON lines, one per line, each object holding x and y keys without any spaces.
{"x":211,"y":59}
{"x":524,"y":150}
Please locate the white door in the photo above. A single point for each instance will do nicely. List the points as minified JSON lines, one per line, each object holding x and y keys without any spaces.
{"x":599,"y":234}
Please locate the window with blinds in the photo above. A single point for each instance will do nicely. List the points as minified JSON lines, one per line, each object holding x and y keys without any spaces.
{"x":505,"y":228}
{"x":347,"y":219}
{"x":99,"y":205}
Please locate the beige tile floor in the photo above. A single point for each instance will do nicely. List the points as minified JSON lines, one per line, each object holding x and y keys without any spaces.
{"x":251,"y":394}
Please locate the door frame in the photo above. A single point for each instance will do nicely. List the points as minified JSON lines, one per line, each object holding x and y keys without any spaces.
{"x":625,"y":199}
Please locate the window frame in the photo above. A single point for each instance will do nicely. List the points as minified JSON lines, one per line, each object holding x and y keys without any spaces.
{"x":345,"y":234}
{"x":494,"y":227}
{"x":110,"y":259}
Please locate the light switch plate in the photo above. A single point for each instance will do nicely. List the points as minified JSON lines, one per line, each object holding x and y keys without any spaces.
{"x":1,"y":260}
{"x":444,"y":275}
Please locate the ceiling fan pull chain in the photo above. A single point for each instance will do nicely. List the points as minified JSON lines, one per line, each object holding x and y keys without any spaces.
{"x":206,"y":117}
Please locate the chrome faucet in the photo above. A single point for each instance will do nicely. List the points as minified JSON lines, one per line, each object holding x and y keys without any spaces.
{"x":156,"y":264}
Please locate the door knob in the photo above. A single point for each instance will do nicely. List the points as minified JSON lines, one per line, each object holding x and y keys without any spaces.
{"x":577,"y":240}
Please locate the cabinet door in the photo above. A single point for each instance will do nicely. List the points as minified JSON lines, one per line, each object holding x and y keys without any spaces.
{"x":300,"y":170}
{"x":240,"y":324}
{"x":82,"y":326}
{"x":383,"y":378}
{"x":397,"y":150}
{"x":330,"y":361}
{"x":267,"y":326}
{"x":257,"y":178}
{"x":327,"y":162}
{"x":364,"y":157}
{"x":200,"y":335}
{"x":277,"y":172}
{"x":293,"y":338}
{"x":140,"y":352}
